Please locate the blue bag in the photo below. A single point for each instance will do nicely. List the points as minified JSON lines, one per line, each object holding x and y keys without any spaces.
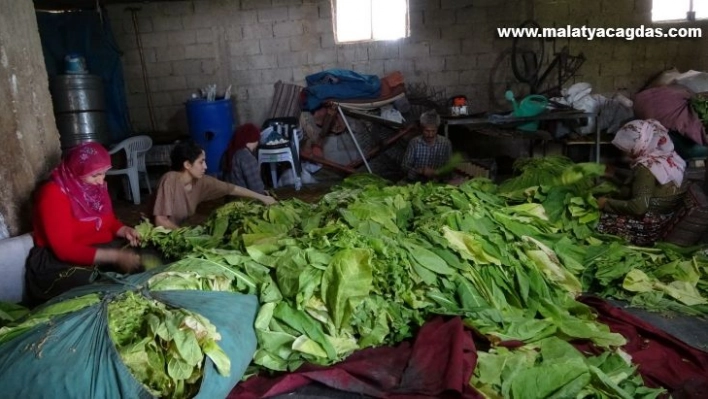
{"x":339,"y":84}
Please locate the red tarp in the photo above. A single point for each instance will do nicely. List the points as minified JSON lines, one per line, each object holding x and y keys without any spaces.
{"x":663,"y":359}
{"x":442,"y":358}
{"x":438,"y":365}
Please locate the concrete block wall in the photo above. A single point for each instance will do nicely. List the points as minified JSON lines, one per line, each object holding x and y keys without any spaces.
{"x":251,"y":44}
{"x":30,"y":141}
{"x":616,"y":64}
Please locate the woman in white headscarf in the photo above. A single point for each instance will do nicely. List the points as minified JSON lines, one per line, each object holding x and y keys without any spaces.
{"x":655,"y":185}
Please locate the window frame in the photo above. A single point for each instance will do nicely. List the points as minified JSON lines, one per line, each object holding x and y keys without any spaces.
{"x":686,"y":19}
{"x":407,"y":33}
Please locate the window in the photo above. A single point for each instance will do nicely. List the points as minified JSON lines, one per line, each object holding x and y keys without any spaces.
{"x":679,"y":10}
{"x":368,"y":20}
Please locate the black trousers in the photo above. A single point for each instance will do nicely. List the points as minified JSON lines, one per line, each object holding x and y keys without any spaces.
{"x":46,"y":276}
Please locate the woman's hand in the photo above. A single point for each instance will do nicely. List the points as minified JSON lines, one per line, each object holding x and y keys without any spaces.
{"x":129,"y":234}
{"x":127,"y":261}
{"x":268,"y":200}
{"x":601,"y":202}
{"x":164,"y":221}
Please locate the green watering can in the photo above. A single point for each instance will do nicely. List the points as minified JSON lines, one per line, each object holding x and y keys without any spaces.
{"x":532,"y":105}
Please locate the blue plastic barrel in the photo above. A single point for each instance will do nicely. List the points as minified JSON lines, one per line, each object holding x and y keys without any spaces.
{"x":211,"y":124}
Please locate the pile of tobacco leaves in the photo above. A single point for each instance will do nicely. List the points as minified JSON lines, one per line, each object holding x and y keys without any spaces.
{"x":371,"y":262}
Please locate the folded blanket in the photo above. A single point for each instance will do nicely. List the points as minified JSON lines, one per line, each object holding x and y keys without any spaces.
{"x":431,"y":367}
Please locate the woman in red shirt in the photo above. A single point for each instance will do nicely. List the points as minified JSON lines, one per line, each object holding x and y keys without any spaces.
{"x":73,"y":220}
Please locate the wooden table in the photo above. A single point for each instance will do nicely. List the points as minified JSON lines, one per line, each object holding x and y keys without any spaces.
{"x":486,"y":121}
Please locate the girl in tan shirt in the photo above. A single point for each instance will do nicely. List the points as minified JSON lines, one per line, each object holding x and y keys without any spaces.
{"x":186,"y":186}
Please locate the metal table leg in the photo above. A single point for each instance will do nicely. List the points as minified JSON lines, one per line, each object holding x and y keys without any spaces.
{"x":356,"y":143}
{"x":597,"y":139}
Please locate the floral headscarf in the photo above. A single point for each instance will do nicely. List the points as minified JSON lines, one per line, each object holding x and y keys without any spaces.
{"x":648,"y":143}
{"x":88,"y":201}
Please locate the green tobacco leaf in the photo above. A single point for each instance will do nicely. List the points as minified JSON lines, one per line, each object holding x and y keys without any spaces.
{"x":66,"y":306}
{"x":219,"y":357}
{"x":607,"y":386}
{"x":269,"y":292}
{"x":306,"y":325}
{"x":683,"y":292}
{"x":427,"y":259}
{"x":261,"y":247}
{"x":546,"y":260}
{"x":11,"y":311}
{"x":305,"y":345}
{"x":346,"y":282}
{"x":287,"y":276}
{"x":178,"y":369}
{"x":638,"y":281}
{"x":188,"y":347}
{"x":561,"y":368}
{"x":272,"y":362}
{"x":468,"y":247}
{"x":424,"y":274}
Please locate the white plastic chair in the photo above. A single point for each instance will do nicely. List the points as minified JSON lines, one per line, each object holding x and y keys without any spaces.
{"x":135,"y":149}
{"x":290,"y":154}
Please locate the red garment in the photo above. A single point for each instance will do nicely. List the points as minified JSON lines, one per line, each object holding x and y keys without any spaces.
{"x":248,"y":133}
{"x":89,"y":202}
{"x":439,"y":364}
{"x":662,"y":359}
{"x":70,"y":239}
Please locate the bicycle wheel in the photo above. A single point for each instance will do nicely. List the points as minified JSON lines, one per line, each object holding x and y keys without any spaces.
{"x":527,"y":54}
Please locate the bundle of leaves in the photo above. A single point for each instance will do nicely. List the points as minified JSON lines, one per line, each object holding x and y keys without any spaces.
{"x":164,"y":347}
{"x":534,"y":172}
{"x":44,"y":315}
{"x":699,"y":105}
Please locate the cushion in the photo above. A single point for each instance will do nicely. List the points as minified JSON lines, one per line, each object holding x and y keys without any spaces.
{"x":12,"y":266}
{"x":690,"y":224}
{"x":686,"y":148}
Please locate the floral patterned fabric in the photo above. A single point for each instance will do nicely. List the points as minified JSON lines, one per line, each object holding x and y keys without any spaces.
{"x":643,"y":230}
{"x":647,"y":143}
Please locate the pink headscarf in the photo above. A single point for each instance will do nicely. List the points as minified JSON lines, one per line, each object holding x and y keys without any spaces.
{"x":648,"y":143}
{"x":88,"y":201}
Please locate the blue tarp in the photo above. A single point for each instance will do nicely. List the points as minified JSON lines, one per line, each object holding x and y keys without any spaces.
{"x":339,"y":84}
{"x":89,"y":34}
{"x":73,"y":356}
